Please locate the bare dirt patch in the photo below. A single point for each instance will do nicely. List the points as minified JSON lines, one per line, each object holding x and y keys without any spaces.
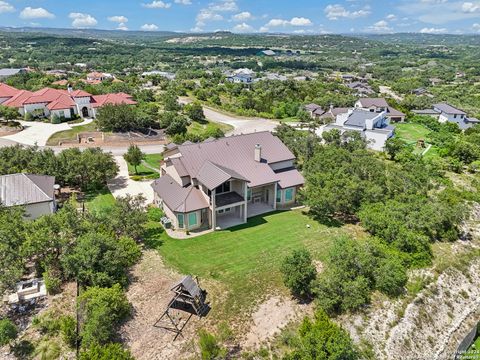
{"x":271,"y":317}
{"x":149,"y":295}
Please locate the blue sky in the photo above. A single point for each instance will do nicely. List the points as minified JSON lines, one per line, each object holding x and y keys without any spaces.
{"x":300,"y":16}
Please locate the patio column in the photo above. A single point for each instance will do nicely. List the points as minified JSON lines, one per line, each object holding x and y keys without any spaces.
{"x":214,"y":212}
{"x":245,"y":201}
{"x":275,"y":196}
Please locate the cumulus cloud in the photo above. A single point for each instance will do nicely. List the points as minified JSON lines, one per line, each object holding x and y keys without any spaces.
{"x":337,"y":11}
{"x":5,"y":7}
{"x":391,"y":17}
{"x":81,"y":20}
{"x":476,"y":27}
{"x":36,"y":13}
{"x":224,"y":6}
{"x":149,"y":27}
{"x":433,"y":30}
{"x":118,"y":19}
{"x":296,"y":21}
{"x":243,"y":27}
{"x":183,"y":2}
{"x":157,"y":4}
{"x":243,"y":16}
{"x":380,"y":27}
{"x":470,"y":7}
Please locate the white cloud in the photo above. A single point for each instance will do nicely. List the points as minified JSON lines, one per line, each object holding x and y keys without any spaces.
{"x":243,"y":16}
{"x":391,"y":17}
{"x":81,"y":20}
{"x":296,"y":21}
{"x":122,"y":26}
{"x":433,"y":30}
{"x":379,"y":27}
{"x":337,"y":11}
{"x":243,"y":27}
{"x":36,"y":13}
{"x":470,"y":7}
{"x":300,"y":21}
{"x":5,"y":7}
{"x":149,"y":27}
{"x":157,"y":4}
{"x":224,"y":5}
{"x":183,"y":2}
{"x":476,"y":27}
{"x":118,"y":19}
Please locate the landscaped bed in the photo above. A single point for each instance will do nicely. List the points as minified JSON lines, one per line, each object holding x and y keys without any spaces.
{"x":71,"y":134}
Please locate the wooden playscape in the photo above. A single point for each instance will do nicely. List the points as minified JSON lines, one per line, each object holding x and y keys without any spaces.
{"x":188,"y":300}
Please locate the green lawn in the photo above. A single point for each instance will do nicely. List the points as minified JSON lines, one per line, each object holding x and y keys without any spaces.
{"x":411,"y":132}
{"x":196,"y":128}
{"x":143,"y":172}
{"x":98,"y":201}
{"x":243,"y":262}
{"x":71,"y":134}
{"x":474,"y":350}
{"x":154,"y":160}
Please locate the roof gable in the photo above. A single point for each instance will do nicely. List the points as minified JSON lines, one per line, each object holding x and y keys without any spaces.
{"x":24,"y":189}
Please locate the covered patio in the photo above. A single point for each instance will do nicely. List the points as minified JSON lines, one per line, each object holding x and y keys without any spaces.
{"x":258,"y":209}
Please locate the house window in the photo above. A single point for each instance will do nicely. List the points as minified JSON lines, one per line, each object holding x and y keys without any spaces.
{"x":181,"y":221}
{"x":224,"y":188}
{"x":249,"y":194}
{"x":454,"y":116}
{"x":279,"y":195}
{"x":289,"y":195}
{"x":192,"y":219}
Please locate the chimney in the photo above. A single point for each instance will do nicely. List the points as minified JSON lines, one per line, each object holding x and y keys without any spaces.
{"x":258,"y":153}
{"x":70,"y":88}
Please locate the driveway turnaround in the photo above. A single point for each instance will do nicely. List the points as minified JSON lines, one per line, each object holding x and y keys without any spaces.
{"x":37,"y":133}
{"x":123,"y":185}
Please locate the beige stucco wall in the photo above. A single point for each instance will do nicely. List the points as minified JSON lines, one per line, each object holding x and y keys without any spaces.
{"x":34,"y":211}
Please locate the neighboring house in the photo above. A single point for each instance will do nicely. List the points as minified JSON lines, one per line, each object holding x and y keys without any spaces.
{"x":274,"y":76}
{"x":419,"y":91}
{"x":379,"y":105}
{"x":6,"y":73}
{"x":241,"y":76}
{"x":97,"y":77}
{"x":164,"y":74}
{"x":313,"y":109}
{"x":445,"y":112}
{"x":35,"y":192}
{"x":62,"y":103}
{"x":360,"y":88}
{"x":373,"y":126}
{"x":329,"y":115}
{"x":266,"y":53}
{"x":221,"y":183}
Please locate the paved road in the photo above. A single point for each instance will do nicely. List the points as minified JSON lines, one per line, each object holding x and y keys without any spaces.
{"x":122,"y":185}
{"x":241,"y":125}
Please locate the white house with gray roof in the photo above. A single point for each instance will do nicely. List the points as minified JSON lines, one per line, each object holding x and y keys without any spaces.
{"x":35,"y":193}
{"x":220,"y":183}
{"x":445,"y":112}
{"x":373,"y":126}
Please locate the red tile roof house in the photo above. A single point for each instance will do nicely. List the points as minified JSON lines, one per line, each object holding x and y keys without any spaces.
{"x":379,"y":105}
{"x":220,"y":183}
{"x":62,"y":103}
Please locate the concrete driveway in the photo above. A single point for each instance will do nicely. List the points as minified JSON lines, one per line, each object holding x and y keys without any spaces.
{"x":123,"y":185}
{"x":39,"y":132}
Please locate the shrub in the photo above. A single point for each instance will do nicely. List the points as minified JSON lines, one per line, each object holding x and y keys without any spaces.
{"x":47,"y":324}
{"x":29,"y":117}
{"x":136,"y":177}
{"x":107,"y":352}
{"x":68,"y":329}
{"x":155,"y":214}
{"x":53,"y":281}
{"x":298,"y":272}
{"x":56,"y":119}
{"x":8,"y":331}
{"x":209,"y":347}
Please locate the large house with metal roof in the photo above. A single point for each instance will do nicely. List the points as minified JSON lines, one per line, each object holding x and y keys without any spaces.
{"x":48,"y":102}
{"x":379,"y":105}
{"x":222,"y":182}
{"x":36,"y":193}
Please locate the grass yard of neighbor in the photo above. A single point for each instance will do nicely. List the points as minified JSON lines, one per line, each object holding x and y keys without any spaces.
{"x":243,"y":262}
{"x":196,"y":128}
{"x":71,"y":134}
{"x":99,"y":200}
{"x":154,"y":160}
{"x":411,"y":132}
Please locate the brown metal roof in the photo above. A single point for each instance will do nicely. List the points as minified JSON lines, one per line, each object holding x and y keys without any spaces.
{"x":212,"y":175}
{"x":369,"y":102}
{"x":290,"y":178}
{"x":236,"y":153}
{"x":178,"y":165}
{"x":23,"y":189}
{"x":177,"y":198}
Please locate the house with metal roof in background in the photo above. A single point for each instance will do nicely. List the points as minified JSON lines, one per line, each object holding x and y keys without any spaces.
{"x":379,"y":105}
{"x":445,"y":112}
{"x":221,"y":183}
{"x":374,"y":127}
{"x":6,"y":73}
{"x":36,"y":193}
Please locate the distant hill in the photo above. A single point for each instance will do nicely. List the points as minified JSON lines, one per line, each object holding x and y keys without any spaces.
{"x":423,"y":39}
